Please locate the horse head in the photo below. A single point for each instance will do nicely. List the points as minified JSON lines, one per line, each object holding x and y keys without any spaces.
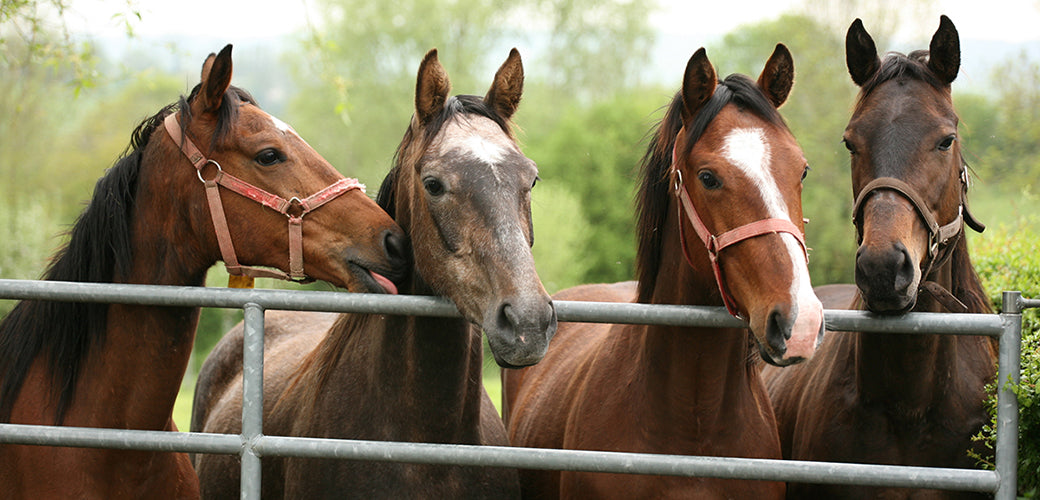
{"x":737,"y":172}
{"x":462,"y":190}
{"x":259,"y":174}
{"x":908,"y":175}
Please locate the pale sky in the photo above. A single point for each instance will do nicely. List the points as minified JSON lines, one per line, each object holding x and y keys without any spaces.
{"x":1001,"y":20}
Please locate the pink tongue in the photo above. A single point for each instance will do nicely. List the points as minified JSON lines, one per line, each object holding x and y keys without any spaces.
{"x":385,"y":283}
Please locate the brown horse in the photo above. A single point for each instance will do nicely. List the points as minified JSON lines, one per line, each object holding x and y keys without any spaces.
{"x":120,"y":366}
{"x":897,"y":398}
{"x":461,"y":189}
{"x":723,"y":148}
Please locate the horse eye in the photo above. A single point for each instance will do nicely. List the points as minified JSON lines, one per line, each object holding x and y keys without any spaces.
{"x":269,"y":157}
{"x":708,"y":179}
{"x":805,"y":172}
{"x":947,"y":143}
{"x":433,"y":186}
{"x":535,"y":182}
{"x":849,"y":146}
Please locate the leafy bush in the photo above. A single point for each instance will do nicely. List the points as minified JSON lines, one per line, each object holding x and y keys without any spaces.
{"x":1007,"y":260}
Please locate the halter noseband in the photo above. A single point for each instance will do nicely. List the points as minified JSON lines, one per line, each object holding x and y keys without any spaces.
{"x":939,"y":237}
{"x":272,"y":201}
{"x":715,"y":244}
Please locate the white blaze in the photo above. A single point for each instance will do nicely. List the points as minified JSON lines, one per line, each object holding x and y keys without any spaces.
{"x":748,"y":150}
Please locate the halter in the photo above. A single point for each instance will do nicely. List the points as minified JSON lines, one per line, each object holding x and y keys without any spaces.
{"x":272,"y":201}
{"x":715,"y":244}
{"x":939,"y":237}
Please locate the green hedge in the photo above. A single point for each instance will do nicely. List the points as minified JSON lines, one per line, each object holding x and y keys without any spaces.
{"x":1007,"y":258}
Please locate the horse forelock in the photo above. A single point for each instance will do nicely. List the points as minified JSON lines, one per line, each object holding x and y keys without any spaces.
{"x":896,"y":65}
{"x":226,"y":114}
{"x":653,"y":195}
{"x":419,"y":137}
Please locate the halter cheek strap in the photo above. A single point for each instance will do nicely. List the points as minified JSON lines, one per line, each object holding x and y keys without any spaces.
{"x":294,"y":208}
{"x":715,"y":244}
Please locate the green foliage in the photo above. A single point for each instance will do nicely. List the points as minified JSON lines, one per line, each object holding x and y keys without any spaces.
{"x":594,"y":151}
{"x":1006,"y":259}
{"x":560,"y":233}
{"x":1005,"y":149}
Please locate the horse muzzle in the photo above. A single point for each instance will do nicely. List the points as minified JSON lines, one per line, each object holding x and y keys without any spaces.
{"x":519,"y":330}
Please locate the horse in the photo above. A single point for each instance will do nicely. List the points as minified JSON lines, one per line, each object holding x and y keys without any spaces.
{"x":897,"y":398}
{"x":460,"y":187}
{"x":720,"y":223}
{"x":149,"y":222}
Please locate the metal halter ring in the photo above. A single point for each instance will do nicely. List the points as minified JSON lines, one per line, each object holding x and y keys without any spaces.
{"x":199,"y":171}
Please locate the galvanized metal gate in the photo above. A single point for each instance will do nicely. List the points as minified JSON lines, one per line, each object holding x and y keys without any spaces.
{"x":252,"y":444}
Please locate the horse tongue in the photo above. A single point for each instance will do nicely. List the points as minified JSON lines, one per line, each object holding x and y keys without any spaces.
{"x":384,"y":282}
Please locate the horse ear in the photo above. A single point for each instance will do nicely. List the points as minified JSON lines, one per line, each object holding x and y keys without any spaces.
{"x":431,"y":88}
{"x":504,"y":95}
{"x":778,"y":76}
{"x":944,"y":53}
{"x":699,"y":84}
{"x":216,"y":78}
{"x":860,"y":53}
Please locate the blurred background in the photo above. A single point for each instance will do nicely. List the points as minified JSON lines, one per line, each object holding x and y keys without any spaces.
{"x":79,"y":75}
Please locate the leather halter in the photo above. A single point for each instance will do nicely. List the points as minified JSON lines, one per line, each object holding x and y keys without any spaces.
{"x":272,"y":201}
{"x":715,"y":244}
{"x":939,"y":237}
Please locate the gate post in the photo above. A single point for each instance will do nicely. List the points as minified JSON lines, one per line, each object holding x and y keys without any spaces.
{"x":252,"y":399}
{"x":1005,"y":460}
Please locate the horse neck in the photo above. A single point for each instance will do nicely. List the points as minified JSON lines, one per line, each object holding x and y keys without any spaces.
{"x":692,"y":371}
{"x":885,"y":362}
{"x":146,"y":348}
{"x":427,"y":370}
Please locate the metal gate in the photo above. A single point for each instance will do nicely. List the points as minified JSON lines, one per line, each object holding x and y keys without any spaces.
{"x":251,"y":445}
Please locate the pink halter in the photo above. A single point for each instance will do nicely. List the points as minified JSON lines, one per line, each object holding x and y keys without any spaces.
{"x":716,"y":244}
{"x":274,"y":202}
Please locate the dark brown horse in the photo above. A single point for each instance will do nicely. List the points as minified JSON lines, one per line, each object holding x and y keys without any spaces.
{"x":120,"y":366}
{"x":723,"y":148}
{"x":897,"y":398}
{"x":461,"y":189}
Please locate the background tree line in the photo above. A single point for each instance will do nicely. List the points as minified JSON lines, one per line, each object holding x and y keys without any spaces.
{"x":67,"y":109}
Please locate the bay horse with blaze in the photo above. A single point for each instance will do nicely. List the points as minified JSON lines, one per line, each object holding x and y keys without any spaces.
{"x":156,"y":219}
{"x":720,"y":223}
{"x":460,"y":188}
{"x":899,"y":399}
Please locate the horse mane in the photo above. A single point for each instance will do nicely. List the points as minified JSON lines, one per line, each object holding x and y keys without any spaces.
{"x":895,"y":66}
{"x":98,"y":250}
{"x":653,"y":199}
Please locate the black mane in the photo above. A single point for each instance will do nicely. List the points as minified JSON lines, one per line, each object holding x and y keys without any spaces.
{"x":98,"y":251}
{"x":652,"y":203}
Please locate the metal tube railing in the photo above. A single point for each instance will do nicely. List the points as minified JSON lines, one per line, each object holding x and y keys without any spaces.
{"x":252,"y":444}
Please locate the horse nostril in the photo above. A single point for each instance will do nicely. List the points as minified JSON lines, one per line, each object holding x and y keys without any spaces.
{"x":904,"y":266}
{"x":507,"y":319}
{"x":778,"y":331}
{"x":397,"y":250}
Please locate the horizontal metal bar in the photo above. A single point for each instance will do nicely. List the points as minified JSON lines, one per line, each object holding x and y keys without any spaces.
{"x":120,"y":439}
{"x":503,"y":456}
{"x":1028,"y":303}
{"x":599,"y":312}
{"x":633,"y":463}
